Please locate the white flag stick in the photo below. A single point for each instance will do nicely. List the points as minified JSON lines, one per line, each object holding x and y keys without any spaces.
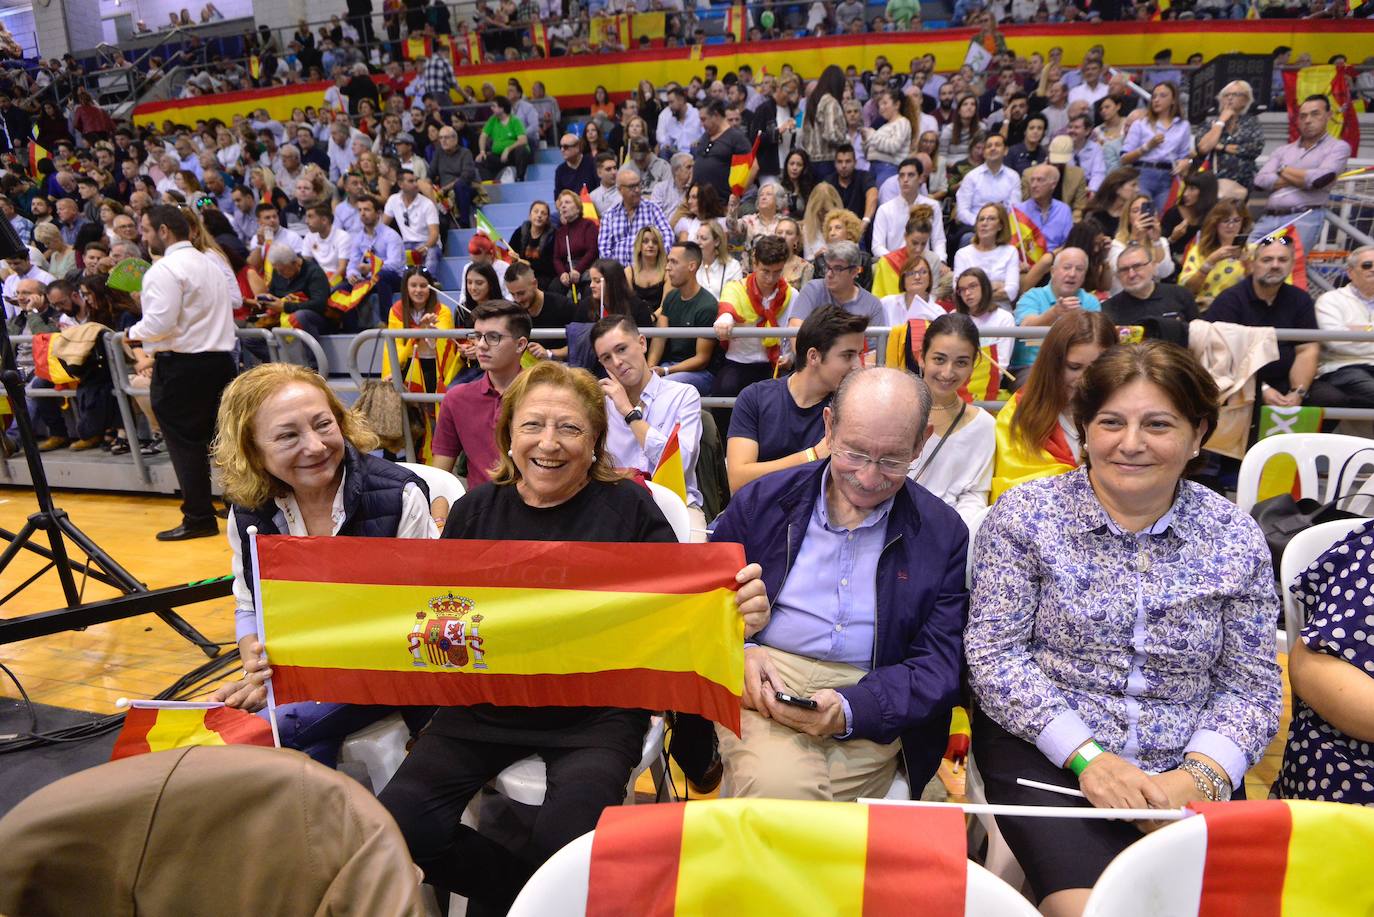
{"x":262,"y":633}
{"x":1044,"y":811}
{"x":167,"y":704}
{"x":1064,"y":790}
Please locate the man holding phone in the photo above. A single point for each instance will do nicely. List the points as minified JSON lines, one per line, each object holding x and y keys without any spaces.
{"x":1043,"y":306}
{"x":862,"y":658}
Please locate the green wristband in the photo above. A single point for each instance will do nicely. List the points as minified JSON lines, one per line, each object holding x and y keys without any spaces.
{"x":1083,"y":757}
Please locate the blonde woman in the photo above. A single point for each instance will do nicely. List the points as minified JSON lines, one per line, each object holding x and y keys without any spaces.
{"x":991,"y":250}
{"x":646,"y":271}
{"x":843,"y":226}
{"x":797,"y":272}
{"x":1217,"y":260}
{"x":824,"y":199}
{"x":61,"y":257}
{"x":717,"y":267}
{"x":1140,"y":224}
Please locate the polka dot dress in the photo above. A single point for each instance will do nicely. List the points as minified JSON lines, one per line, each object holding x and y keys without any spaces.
{"x":1321,"y":762}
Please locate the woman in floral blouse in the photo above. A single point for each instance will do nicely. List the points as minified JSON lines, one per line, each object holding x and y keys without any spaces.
{"x":1121,"y":633}
{"x":1235,"y":138}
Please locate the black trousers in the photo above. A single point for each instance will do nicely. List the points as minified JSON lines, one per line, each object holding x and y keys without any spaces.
{"x":185,"y":395}
{"x":442,"y":774}
{"x":731,"y":379}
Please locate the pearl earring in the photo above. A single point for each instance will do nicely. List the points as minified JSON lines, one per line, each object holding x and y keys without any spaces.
{"x":511,"y":453}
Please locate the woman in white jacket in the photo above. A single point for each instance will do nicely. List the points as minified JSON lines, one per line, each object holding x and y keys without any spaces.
{"x":886,"y":146}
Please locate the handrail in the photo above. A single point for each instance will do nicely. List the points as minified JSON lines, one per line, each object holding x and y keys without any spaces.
{"x":119,"y":375}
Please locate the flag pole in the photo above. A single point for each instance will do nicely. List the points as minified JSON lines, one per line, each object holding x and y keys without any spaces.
{"x":262,"y":635}
{"x":572,"y":287}
{"x":1042,"y":811}
{"x":1274,"y":232}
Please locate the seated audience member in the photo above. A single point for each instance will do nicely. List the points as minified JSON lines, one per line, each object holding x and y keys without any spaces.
{"x":610,"y":294}
{"x":1036,"y":437}
{"x":546,"y":310}
{"x":468,"y":413}
{"x":718,"y":267}
{"x":889,"y":226}
{"x":1346,"y":370}
{"x":1140,"y":225}
{"x":1267,"y":300}
{"x":844,"y":544}
{"x":1216,"y":261}
{"x":858,"y":193}
{"x":1121,"y":627}
{"x":992,"y":251}
{"x":1142,"y":296}
{"x":686,"y":305}
{"x":533,"y":242}
{"x":293,"y":461}
{"x":326,"y":244}
{"x":916,"y":301}
{"x":574,"y":245}
{"x":760,"y":300}
{"x":990,"y":183}
{"x":300,"y":289}
{"x":375,"y":237}
{"x":555,"y":482}
{"x":840,"y":288}
{"x":1331,"y":665}
{"x":1042,"y":306}
{"x":642,"y":409}
{"x":780,"y":423}
{"x":888,"y":270}
{"x":604,"y":193}
{"x":504,"y":142}
{"x":973,"y":297}
{"x":622,"y":222}
{"x":955,"y":463}
{"x":416,"y":218}
{"x":1051,"y":216}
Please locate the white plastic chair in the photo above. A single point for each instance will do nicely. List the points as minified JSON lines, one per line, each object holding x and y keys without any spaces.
{"x":380,"y":748}
{"x":674,"y":509}
{"x":1159,"y":875}
{"x":1300,"y":553}
{"x":1306,"y":448}
{"x":441,"y":483}
{"x":559,"y":888}
{"x":1000,"y":861}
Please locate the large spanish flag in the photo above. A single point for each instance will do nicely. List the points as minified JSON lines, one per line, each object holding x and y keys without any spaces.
{"x":510,"y":623}
{"x":1287,"y":858}
{"x":160,"y":725}
{"x":773,"y":856}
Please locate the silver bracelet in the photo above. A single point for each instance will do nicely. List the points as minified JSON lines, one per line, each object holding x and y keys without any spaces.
{"x":1208,"y":792}
{"x":1221,"y":784}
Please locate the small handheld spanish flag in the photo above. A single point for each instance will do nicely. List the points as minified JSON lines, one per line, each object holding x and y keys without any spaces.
{"x":159,"y":725}
{"x":736,"y":22}
{"x":670,"y":473}
{"x":37,"y":153}
{"x":741,"y":166}
{"x":255,"y":67}
{"x":588,"y":208}
{"x":415,"y":48}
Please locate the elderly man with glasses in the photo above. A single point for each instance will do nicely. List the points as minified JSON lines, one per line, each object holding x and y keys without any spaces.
{"x":862,"y":658}
{"x":1346,"y":370}
{"x":577,"y":170}
{"x":1141,"y":296}
{"x":623,"y":221}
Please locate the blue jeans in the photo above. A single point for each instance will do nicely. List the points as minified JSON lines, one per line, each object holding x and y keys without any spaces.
{"x":699,"y":379}
{"x":1156,"y":183}
{"x":1309,"y":226}
{"x":881,"y":171}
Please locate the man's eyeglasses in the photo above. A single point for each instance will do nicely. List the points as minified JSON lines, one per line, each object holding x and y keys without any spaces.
{"x":839,"y":268}
{"x":888,"y":467}
{"x":490,"y":338}
{"x":1366,"y":265}
{"x":569,"y":146}
{"x":1128,"y":268}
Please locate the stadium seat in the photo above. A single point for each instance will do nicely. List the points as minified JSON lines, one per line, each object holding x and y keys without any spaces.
{"x":674,"y":509}
{"x":1306,"y":449}
{"x":1301,"y":552}
{"x":440,"y":483}
{"x":999,"y":860}
{"x":379,"y":748}
{"x":559,"y":888}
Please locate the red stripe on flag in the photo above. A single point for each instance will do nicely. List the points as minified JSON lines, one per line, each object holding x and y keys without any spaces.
{"x":670,"y":449}
{"x":236,"y":727}
{"x":1247,"y":858}
{"x":631,"y":689}
{"x":630,"y":849}
{"x":916,"y":862}
{"x":668,"y":569}
{"x":133,"y":738}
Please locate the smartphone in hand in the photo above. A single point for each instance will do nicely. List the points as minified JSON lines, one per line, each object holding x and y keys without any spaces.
{"x":805,"y":703}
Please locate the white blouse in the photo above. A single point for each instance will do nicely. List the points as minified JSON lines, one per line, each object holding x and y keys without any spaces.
{"x":961,"y":474}
{"x":1002,"y":265}
{"x":714,"y":276}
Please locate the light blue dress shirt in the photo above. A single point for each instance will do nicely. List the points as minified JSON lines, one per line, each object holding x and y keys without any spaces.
{"x":386,"y":242}
{"x":665,"y":404}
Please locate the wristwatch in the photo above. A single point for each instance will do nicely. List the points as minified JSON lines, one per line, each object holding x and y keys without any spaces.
{"x":635,"y":414}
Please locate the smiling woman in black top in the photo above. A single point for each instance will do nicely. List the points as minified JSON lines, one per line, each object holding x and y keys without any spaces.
{"x":555,"y":483}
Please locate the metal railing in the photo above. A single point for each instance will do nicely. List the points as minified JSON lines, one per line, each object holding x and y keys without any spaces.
{"x":388,"y":337}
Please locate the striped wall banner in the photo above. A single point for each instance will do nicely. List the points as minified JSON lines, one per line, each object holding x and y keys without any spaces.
{"x":510,"y":623}
{"x":772,"y":856}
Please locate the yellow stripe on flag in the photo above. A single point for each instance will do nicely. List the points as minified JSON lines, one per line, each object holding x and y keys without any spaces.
{"x":1329,"y":848}
{"x":525,"y":631}
{"x":814,"y":865}
{"x":180,"y":728}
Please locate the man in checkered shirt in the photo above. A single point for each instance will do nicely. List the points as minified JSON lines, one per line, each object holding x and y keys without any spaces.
{"x":622,"y":223}
{"x":437,"y":76}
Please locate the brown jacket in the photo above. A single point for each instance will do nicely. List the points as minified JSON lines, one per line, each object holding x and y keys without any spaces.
{"x":230,"y":831}
{"x":1073,"y":190}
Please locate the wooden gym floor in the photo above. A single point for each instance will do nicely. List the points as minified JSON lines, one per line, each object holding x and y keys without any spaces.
{"x":137,"y":657}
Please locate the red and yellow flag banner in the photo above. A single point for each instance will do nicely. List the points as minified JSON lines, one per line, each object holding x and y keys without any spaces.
{"x":740,"y":167}
{"x":417,"y":47}
{"x":160,"y":725}
{"x":45,"y":363}
{"x":37,"y":153}
{"x":1285,"y":858}
{"x":588,"y":208}
{"x":1029,"y":239}
{"x":347,"y":300}
{"x":1332,"y":81}
{"x":670,"y":473}
{"x":510,"y":623}
{"x":773,"y":856}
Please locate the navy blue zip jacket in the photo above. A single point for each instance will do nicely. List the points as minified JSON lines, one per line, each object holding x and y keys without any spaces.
{"x":918,"y":661}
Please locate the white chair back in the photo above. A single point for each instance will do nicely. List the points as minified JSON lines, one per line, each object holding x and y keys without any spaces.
{"x":1306,"y":448}
{"x":1159,"y":875}
{"x":441,"y":483}
{"x":559,"y":888}
{"x":674,"y":509}
{"x":1301,"y":552}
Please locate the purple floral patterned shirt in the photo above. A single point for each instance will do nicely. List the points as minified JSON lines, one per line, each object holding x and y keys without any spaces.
{"x":1154,"y":643}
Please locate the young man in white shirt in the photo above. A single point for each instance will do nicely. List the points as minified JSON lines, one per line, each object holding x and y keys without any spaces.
{"x":270,"y":232}
{"x":416,"y":218}
{"x":328,"y":245}
{"x":889,"y":225}
{"x":642,"y":409}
